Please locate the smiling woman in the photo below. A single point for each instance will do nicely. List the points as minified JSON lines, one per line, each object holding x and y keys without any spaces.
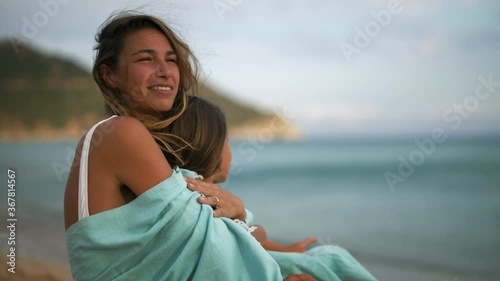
{"x":128,"y":213}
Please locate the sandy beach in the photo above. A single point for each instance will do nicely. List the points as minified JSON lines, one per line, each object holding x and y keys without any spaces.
{"x":29,"y":269}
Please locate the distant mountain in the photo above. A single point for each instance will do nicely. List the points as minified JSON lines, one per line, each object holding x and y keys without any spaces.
{"x":46,"y":96}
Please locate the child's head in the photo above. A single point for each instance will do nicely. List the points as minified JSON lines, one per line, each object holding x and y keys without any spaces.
{"x":203,"y":127}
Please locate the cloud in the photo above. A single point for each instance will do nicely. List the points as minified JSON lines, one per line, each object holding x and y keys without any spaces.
{"x":276,"y":53}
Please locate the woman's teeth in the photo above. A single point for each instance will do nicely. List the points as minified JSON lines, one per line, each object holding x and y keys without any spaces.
{"x":161,"y":88}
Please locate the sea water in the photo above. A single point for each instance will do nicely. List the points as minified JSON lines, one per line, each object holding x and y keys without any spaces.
{"x":442,"y":214}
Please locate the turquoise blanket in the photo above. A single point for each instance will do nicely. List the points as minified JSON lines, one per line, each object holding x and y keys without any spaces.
{"x":164,"y":234}
{"x":324,"y":263}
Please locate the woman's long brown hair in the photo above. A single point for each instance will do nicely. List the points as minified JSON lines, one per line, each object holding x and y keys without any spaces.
{"x":109,"y":45}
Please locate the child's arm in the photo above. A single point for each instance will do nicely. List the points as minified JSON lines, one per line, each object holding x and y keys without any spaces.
{"x":299,"y":247}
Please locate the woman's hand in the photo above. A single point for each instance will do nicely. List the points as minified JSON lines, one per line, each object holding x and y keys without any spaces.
{"x":225,"y":203}
{"x":299,"y":277}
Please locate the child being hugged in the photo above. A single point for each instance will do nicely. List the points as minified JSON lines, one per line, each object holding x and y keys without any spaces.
{"x":206,"y":155}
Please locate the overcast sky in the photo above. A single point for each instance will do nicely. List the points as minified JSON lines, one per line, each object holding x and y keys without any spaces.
{"x":336,"y":67}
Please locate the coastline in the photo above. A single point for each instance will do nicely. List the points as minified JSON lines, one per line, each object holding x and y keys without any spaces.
{"x":266,"y":130}
{"x":263,"y":129}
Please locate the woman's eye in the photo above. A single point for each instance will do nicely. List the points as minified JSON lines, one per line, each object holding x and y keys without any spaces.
{"x":172,"y":60}
{"x":145,"y":59}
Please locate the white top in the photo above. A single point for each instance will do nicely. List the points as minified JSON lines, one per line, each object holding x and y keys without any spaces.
{"x":83,"y":202}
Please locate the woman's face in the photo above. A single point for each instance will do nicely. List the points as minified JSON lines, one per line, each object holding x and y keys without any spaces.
{"x":147,"y":71}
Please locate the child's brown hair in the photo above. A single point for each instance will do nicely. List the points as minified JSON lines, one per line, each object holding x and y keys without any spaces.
{"x":203,"y":128}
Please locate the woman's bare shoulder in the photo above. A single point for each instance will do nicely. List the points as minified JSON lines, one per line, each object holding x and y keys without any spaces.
{"x":123,"y":126}
{"x":130,"y":152}
{"x":122,"y":131}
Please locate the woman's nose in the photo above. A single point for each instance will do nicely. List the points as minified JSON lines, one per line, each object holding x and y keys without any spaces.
{"x":162,"y":69}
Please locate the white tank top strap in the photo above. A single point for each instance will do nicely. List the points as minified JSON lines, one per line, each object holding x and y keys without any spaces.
{"x":83,"y":204}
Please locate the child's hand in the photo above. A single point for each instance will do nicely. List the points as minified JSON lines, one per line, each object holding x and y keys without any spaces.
{"x":260,"y":234}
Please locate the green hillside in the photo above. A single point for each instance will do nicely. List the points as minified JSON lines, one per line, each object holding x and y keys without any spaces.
{"x":42,"y":90}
